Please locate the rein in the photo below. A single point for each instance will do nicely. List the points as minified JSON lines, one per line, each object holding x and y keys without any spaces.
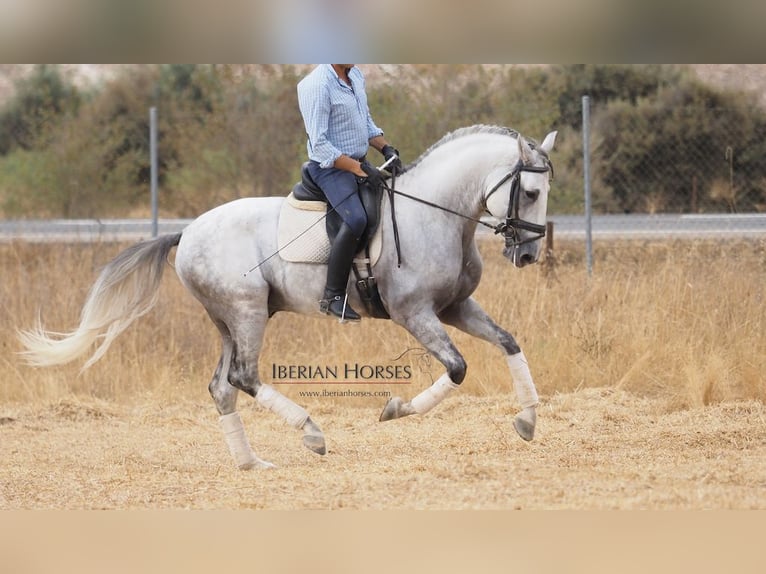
{"x":440,"y":207}
{"x":393,"y":192}
{"x":509,"y":229}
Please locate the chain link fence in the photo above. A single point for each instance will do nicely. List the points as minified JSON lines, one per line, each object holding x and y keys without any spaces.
{"x":679,"y":160}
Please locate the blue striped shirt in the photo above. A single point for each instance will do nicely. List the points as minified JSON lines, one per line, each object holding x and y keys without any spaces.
{"x":336,"y":115}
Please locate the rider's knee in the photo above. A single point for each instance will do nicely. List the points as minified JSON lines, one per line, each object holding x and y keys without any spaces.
{"x":356,"y":223}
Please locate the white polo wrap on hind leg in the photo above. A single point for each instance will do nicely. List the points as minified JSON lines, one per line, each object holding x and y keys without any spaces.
{"x":522,"y":380}
{"x":236,"y":440}
{"x":433,"y":395}
{"x":276,"y":402}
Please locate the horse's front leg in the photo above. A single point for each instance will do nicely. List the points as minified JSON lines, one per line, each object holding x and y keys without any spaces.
{"x":428,"y":330}
{"x":468,"y":316}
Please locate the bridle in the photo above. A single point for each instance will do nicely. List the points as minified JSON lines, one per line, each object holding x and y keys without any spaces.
{"x":510,"y":228}
{"x":513,"y":225}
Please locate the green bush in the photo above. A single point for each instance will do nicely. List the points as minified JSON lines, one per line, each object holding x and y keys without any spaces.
{"x":28,"y":183}
{"x":690,"y":148}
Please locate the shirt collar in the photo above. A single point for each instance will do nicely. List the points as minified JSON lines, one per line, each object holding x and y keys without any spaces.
{"x":337,"y":77}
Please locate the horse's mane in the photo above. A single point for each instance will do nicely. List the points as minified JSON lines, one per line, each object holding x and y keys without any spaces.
{"x":461,"y":132}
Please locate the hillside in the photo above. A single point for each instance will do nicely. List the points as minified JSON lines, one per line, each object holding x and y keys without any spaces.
{"x":750,"y":77}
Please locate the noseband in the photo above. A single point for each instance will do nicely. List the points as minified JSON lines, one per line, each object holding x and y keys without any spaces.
{"x":513,"y":225}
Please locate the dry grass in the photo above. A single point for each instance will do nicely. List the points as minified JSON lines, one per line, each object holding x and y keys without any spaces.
{"x":650,"y":373}
{"x":685,"y":321}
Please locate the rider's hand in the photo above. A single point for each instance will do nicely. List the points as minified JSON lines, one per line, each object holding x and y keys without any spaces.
{"x":388,"y":152}
{"x":374,"y":177}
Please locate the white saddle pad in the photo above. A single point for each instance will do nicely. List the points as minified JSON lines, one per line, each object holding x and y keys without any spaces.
{"x":302,"y":235}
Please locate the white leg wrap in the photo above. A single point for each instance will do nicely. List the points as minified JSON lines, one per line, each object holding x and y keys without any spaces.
{"x":236,"y":440}
{"x":433,"y":395}
{"x":271,"y":399}
{"x":522,"y":380}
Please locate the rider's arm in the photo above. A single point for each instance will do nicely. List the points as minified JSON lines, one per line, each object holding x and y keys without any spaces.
{"x":378,"y":142}
{"x":349,"y":164}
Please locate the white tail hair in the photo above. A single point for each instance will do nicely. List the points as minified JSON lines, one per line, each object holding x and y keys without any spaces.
{"x":126,"y":289}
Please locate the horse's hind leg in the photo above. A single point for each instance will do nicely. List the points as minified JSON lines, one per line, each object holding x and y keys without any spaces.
{"x":468,"y":316}
{"x":225,"y":398}
{"x":297,"y":417}
{"x":247,"y":335}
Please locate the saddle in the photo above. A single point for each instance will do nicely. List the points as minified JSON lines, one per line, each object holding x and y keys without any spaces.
{"x":308,"y":190}
{"x":303,"y":239}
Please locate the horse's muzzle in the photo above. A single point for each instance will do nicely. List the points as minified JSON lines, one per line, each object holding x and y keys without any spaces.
{"x":523,"y":254}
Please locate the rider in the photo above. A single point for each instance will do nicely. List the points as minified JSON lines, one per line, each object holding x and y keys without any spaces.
{"x":340,"y":129}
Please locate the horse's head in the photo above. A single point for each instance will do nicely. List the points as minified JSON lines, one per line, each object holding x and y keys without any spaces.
{"x":519,"y":196}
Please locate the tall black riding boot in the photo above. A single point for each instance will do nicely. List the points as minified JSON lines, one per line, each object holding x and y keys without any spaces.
{"x":341,"y":256}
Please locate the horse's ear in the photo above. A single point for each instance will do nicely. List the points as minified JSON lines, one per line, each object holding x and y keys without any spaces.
{"x":525,"y":152}
{"x":548,"y":142}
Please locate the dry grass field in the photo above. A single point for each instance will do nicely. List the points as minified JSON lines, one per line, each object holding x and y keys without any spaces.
{"x":651,"y":376}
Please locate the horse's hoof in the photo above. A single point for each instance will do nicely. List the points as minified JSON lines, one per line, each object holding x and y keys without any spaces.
{"x":395,"y":408}
{"x":524,"y":423}
{"x":257,"y":463}
{"x":315,"y":443}
{"x":313,"y":437}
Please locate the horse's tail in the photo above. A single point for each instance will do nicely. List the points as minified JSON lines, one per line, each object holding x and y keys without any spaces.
{"x":126,"y":289}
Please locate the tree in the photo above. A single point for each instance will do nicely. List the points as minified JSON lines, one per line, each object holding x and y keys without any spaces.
{"x":606,"y":83}
{"x":40,"y":100}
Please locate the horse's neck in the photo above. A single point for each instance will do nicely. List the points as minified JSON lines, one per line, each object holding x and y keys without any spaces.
{"x":455,"y":176}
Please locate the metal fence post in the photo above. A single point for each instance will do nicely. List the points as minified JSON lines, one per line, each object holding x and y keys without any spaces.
{"x":586,"y":181}
{"x":153,"y":161}
{"x":549,"y":263}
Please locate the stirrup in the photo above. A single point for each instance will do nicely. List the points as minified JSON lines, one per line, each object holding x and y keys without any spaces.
{"x":344,"y":313}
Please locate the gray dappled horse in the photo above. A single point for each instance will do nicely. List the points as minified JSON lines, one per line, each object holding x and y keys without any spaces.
{"x":468,"y":173}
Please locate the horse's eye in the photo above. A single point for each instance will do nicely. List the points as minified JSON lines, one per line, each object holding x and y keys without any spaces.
{"x":533,"y":194}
